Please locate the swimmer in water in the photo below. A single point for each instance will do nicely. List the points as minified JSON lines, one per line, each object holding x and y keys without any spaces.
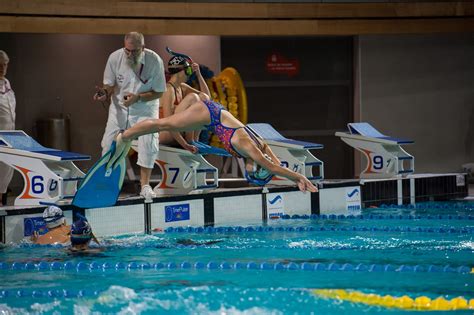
{"x":81,"y":236}
{"x":58,"y":230}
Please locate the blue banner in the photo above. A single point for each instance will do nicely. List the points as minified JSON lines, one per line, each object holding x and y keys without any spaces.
{"x":177,"y":212}
{"x":34,"y":224}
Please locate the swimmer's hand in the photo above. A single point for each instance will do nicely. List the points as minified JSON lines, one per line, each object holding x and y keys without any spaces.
{"x":305,"y":185}
{"x":195,"y":67}
{"x":34,"y":236}
{"x":191,"y":148}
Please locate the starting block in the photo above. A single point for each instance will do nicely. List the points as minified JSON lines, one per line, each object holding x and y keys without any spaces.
{"x":293,"y":154}
{"x":49,"y":175}
{"x":182,"y":171}
{"x":385,"y":157}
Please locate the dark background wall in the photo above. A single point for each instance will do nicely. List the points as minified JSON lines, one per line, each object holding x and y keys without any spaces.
{"x":421,"y":87}
{"x":309,"y":103}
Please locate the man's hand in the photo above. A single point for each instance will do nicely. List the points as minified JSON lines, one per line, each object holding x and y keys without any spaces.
{"x":130,"y":99}
{"x":100,"y":95}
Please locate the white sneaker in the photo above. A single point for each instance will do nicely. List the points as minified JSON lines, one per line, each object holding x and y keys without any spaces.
{"x":147,"y":192}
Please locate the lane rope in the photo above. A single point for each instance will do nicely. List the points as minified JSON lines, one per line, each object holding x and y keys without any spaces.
{"x":251,"y":229}
{"x":215,"y":265}
{"x":420,"y":303}
{"x":379,"y":217}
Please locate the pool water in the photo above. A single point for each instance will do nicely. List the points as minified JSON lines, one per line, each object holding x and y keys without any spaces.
{"x":254,"y":269}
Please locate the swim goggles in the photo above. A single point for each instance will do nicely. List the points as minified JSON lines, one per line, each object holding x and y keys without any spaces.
{"x":259,"y":176}
{"x":187,"y":70}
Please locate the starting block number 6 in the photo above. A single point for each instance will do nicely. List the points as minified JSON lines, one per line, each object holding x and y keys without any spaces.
{"x":37,"y":185}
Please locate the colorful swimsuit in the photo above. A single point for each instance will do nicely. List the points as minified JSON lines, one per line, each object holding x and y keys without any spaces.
{"x":224,"y":133}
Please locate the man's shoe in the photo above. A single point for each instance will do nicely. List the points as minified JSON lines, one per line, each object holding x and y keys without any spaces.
{"x":147,"y":192}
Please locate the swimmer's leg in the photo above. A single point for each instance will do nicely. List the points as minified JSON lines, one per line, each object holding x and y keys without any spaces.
{"x":192,"y":118}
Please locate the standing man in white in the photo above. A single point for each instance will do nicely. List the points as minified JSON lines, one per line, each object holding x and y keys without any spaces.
{"x":134,"y":81}
{"x":7,"y":119}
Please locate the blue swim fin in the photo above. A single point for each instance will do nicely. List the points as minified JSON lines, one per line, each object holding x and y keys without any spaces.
{"x":101,"y":186}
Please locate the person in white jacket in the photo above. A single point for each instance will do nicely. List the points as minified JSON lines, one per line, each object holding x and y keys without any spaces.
{"x":134,"y":80}
{"x":7,"y":118}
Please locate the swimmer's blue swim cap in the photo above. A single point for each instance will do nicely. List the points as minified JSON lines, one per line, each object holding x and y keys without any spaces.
{"x":81,"y":232}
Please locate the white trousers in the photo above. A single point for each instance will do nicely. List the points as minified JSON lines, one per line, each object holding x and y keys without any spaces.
{"x":6,"y":172}
{"x":120,"y":119}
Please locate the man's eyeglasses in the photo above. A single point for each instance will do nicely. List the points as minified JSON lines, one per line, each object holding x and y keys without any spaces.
{"x":133,"y":51}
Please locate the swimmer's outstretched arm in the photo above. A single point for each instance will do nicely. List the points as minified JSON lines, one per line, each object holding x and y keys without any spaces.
{"x":255,"y":154}
{"x":95,"y":239}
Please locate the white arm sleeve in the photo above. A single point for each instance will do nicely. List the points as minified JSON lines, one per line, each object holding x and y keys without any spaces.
{"x":109,"y":72}
{"x":158,"y":79}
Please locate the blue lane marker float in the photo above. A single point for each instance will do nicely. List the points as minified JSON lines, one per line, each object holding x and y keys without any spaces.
{"x":253,"y":229}
{"x":379,"y":217}
{"x":226,"y":265}
{"x":43,"y":293}
{"x":444,"y":248}
{"x":431,"y":205}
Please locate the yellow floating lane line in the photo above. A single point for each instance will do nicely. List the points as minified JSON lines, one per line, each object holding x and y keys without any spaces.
{"x":420,"y":303}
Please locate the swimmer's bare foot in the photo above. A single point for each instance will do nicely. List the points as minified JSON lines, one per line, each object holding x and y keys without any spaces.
{"x":121,"y":150}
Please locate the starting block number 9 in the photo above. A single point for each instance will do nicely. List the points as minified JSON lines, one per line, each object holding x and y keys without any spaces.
{"x":377,"y":162}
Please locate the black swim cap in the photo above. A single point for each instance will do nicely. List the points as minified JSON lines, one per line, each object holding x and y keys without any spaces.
{"x":177,"y":64}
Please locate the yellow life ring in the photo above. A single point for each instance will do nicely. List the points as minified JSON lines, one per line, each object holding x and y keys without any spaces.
{"x":235,"y":91}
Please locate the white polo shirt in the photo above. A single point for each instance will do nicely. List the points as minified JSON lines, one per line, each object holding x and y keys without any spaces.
{"x":7,"y":105}
{"x":148,"y":76}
